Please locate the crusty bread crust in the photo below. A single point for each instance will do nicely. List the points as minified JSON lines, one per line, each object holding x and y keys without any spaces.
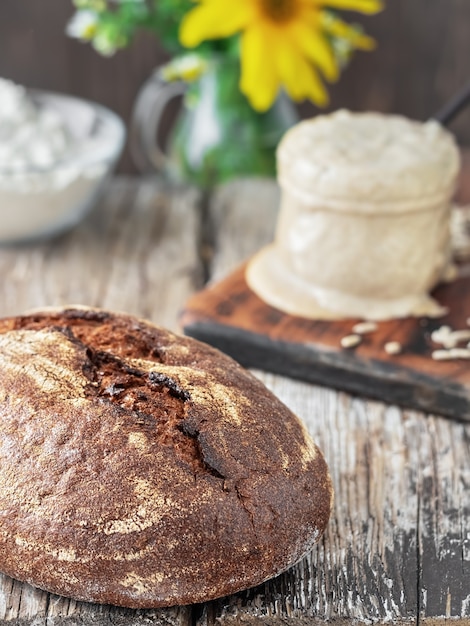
{"x":143,"y":469}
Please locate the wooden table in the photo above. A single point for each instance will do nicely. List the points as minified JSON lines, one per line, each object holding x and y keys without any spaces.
{"x":398,"y":544}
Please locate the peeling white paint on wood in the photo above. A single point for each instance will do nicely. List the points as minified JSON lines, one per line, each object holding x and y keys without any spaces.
{"x":398,"y":544}
{"x":402,"y":502}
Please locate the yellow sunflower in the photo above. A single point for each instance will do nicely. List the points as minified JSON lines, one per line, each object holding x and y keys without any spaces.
{"x":283,"y":42}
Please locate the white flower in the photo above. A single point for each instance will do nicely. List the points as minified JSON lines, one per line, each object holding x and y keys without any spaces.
{"x":83,"y":25}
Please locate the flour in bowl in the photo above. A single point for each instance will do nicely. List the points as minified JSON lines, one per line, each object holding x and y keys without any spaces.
{"x":55,"y":151}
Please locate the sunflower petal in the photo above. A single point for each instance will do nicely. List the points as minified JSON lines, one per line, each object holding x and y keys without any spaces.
{"x":211,"y":20}
{"x":363,"y":6}
{"x":259,"y":80}
{"x":298,"y":76}
{"x":316,"y":48}
{"x":337,"y":28}
{"x":364,"y":42}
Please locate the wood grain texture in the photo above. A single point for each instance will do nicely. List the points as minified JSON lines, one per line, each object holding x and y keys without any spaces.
{"x":382,"y":559}
{"x":397,"y":548}
{"x":137,"y":252}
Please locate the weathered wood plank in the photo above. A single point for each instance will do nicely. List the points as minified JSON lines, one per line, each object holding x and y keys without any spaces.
{"x":397,"y":546}
{"x":399,"y":529}
{"x":242,"y":216}
{"x":137,"y":253}
{"x":366,"y":566}
{"x":444,"y":520}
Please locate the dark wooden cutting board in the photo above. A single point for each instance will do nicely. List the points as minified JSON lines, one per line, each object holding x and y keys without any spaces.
{"x":231,"y":317}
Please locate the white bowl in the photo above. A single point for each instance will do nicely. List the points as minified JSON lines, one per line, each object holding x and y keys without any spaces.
{"x":38,"y":202}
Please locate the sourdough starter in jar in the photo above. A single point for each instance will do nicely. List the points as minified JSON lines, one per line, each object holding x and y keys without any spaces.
{"x":363,"y":229}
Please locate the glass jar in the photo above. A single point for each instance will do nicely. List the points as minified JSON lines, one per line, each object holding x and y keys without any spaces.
{"x":217,"y":136}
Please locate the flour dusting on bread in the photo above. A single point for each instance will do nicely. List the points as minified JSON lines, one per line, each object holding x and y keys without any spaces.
{"x":144,"y":469}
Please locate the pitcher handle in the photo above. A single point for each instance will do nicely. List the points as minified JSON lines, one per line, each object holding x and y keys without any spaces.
{"x":152,"y":99}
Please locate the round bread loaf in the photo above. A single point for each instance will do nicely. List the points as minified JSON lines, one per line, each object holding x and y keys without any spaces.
{"x":144,"y":469}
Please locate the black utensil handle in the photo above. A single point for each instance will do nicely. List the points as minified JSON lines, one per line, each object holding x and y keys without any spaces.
{"x":454,"y":106}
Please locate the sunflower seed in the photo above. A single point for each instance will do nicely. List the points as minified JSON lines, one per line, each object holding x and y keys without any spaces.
{"x":442,"y":355}
{"x":441,"y":335}
{"x":460,"y":353}
{"x":393,"y":347}
{"x":350,"y":341}
{"x":450,"y":355}
{"x":450,"y":338}
{"x":363,"y":328}
{"x":460,"y":335}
